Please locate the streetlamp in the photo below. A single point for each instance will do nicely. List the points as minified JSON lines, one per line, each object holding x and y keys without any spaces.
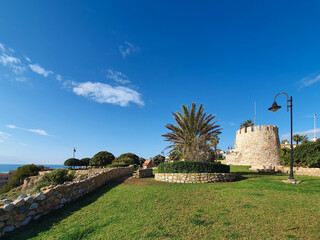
{"x":275,"y":107}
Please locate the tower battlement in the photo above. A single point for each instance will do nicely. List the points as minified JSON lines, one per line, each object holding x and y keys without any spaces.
{"x":258,"y":129}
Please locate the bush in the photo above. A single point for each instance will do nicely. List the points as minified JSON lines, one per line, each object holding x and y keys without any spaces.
{"x":19,"y":175}
{"x":127,"y":159}
{"x":141,"y":161}
{"x":306,"y":154}
{"x":57,"y":176}
{"x":72,"y":162}
{"x":85,"y":162}
{"x":103,"y":158}
{"x":193,"y":167}
{"x":158,"y":159}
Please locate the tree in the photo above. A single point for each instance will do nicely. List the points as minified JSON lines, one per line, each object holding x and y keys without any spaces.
{"x":246,"y":124}
{"x":158,"y":159}
{"x":85,"y":162}
{"x":192,"y":133}
{"x":102,"y":158}
{"x":128,"y":158}
{"x":141,"y":161}
{"x":214,"y":141}
{"x":299,"y":138}
{"x":72,"y":162}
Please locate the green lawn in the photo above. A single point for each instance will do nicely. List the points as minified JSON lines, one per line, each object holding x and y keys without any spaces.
{"x":257,"y":206}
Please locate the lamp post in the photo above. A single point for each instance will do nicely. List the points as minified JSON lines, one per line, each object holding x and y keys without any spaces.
{"x":275,"y":107}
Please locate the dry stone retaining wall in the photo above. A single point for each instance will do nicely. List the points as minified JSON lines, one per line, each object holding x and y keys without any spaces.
{"x":255,"y":146}
{"x":144,"y":172}
{"x":195,"y":177}
{"x":19,"y":212}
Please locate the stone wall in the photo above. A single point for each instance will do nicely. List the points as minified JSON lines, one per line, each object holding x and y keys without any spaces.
{"x":195,"y":177}
{"x":144,"y":172}
{"x":257,"y":145}
{"x":282,"y":169}
{"x":19,"y":212}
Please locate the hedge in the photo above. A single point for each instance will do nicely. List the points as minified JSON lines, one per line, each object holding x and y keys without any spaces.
{"x":193,"y":167}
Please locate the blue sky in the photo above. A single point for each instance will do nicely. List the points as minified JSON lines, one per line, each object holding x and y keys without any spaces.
{"x":99,"y":75}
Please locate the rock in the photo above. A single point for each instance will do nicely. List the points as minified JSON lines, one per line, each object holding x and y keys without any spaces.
{"x":4,"y":218}
{"x":36,"y":217}
{"x":5,"y":201}
{"x":34,"y":206}
{"x":8,"y":229}
{"x":19,"y":202}
{"x":23,"y":209}
{"x":29,"y":199}
{"x":22,"y":196}
{"x":18,"y":224}
{"x":63,"y":200}
{"x":40,"y":197}
{"x":25,"y":222}
{"x":31,"y":213}
{"x":8,"y":207}
{"x":20,"y":218}
{"x":80,"y":191}
{"x":2,"y":224}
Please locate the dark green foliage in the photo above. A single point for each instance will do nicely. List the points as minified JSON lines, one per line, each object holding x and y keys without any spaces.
{"x":193,"y":167}
{"x":158,"y":159}
{"x":102,"y":158}
{"x":246,"y":124}
{"x":175,"y":155}
{"x":57,"y":176}
{"x":85,"y":162}
{"x":127,"y":159}
{"x":141,"y":161}
{"x":20,"y":174}
{"x":305,"y":155}
{"x":72,"y":162}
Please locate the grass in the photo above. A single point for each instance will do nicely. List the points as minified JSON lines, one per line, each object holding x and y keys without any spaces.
{"x":257,"y":206}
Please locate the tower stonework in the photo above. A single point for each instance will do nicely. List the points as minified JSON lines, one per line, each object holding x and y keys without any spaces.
{"x":256,"y":146}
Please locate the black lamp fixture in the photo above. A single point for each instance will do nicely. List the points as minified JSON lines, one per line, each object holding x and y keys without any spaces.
{"x":275,"y":107}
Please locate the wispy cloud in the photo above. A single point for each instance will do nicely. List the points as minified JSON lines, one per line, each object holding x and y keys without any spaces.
{"x":308,"y":81}
{"x":4,"y":136}
{"x":117,"y":76}
{"x":40,"y":70}
{"x":127,"y":49}
{"x":309,"y":133}
{"x":105,"y":93}
{"x":26,"y":58}
{"x":12,"y":62}
{"x":21,"y":79}
{"x":59,"y":77}
{"x":37,"y":131}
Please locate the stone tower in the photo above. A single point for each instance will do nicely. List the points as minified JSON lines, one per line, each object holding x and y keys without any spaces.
{"x":255,"y":146}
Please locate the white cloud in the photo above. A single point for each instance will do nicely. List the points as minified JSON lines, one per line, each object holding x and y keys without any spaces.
{"x":39,"y":70}
{"x":38,"y":131}
{"x":2,"y":48}
{"x":12,"y":62}
{"x":117,"y":76}
{"x":105,"y":93}
{"x":127,"y":49}
{"x":59,"y":77}
{"x":21,"y":79}
{"x":11,"y":50}
{"x":4,"y":136}
{"x":308,"y":81}
{"x":309,"y":133}
{"x":28,"y":59}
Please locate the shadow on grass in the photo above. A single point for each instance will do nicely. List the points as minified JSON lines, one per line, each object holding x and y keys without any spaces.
{"x":47,"y":221}
{"x":245,"y":175}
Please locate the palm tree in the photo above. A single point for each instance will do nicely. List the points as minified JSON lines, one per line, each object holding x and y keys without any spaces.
{"x":246,"y":124}
{"x":193,"y":131}
{"x":299,"y":138}
{"x":214,"y":141}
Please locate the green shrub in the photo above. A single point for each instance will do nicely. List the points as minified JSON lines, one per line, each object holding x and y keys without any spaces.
{"x":72,"y":162}
{"x":102,"y":158}
{"x":306,"y":154}
{"x":158,"y":159}
{"x":127,"y":159}
{"x":193,"y":167}
{"x":57,"y":176}
{"x":85,"y":162}
{"x":19,"y":175}
{"x":141,"y":161}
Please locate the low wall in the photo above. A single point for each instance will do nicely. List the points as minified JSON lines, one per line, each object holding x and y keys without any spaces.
{"x":195,"y":177}
{"x":144,"y":172}
{"x":19,"y":212}
{"x":283,"y":169}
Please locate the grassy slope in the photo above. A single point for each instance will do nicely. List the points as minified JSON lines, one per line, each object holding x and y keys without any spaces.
{"x":259,"y":206}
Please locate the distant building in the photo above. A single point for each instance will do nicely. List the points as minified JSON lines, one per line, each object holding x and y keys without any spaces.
{"x":147,"y":164}
{"x":286,"y":144}
{"x":5,"y":177}
{"x":314,"y":139}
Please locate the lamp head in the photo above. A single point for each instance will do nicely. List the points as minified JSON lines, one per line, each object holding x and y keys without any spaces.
{"x":275,"y":107}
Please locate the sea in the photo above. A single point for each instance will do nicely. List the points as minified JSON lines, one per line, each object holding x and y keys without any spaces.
{"x":7,"y":167}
